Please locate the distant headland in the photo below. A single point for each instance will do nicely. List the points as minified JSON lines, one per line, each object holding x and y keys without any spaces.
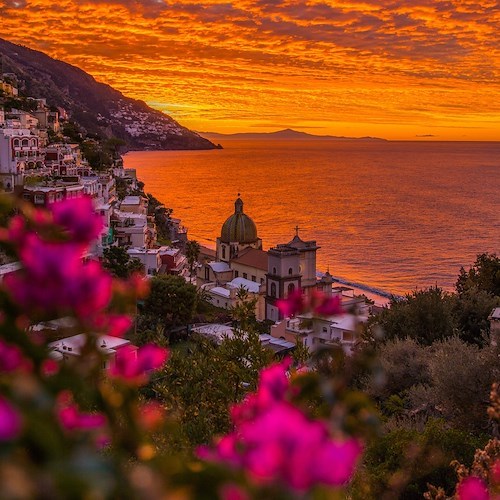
{"x":286,"y":134}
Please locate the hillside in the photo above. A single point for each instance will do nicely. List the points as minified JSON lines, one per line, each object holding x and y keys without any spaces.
{"x":97,"y":107}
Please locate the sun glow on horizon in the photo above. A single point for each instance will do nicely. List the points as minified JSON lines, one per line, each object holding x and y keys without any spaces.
{"x":395,"y":69}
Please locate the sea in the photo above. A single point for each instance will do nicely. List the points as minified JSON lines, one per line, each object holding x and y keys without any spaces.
{"x":390,"y":217}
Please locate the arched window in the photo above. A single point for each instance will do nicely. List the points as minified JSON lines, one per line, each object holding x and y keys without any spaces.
{"x":290,"y":271}
{"x":223,"y":252}
{"x":25,"y":143}
{"x":16,"y":143}
{"x":33,"y":142}
{"x":291,"y":288}
{"x":274,"y":270}
{"x":273,"y":289}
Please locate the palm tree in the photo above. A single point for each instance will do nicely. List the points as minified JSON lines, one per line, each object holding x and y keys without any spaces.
{"x":192,"y":252}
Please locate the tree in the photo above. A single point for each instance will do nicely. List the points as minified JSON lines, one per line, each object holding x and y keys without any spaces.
{"x":460,"y":378}
{"x":403,"y":364}
{"x":171,"y":302}
{"x":119,"y":263}
{"x":202,"y":380}
{"x":483,"y":275}
{"x":192,"y":253}
{"x":424,"y":315}
{"x":471,"y":309}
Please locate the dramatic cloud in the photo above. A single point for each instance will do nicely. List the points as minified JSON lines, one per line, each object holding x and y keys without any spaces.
{"x":391,"y":68}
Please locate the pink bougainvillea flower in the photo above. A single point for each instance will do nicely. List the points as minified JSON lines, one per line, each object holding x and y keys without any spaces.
{"x":16,"y":230}
{"x":151,"y":415}
{"x":71,"y":418}
{"x":79,"y":218}
{"x":231,"y":491}
{"x":328,"y":306}
{"x":115,"y":325}
{"x":132,"y":365}
{"x":472,"y":488}
{"x":10,"y":421}
{"x":11,"y":357}
{"x":273,"y":441}
{"x":49,"y":367}
{"x":336,"y":462}
{"x":292,"y":305}
{"x":55,"y":279}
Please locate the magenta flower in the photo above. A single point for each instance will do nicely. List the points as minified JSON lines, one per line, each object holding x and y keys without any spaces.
{"x":273,"y":441}
{"x":132,"y":365}
{"x":78,"y":217}
{"x":472,"y":488}
{"x":292,"y":305}
{"x":328,"y":306}
{"x":10,"y":421}
{"x":115,"y":325}
{"x":231,"y":491}
{"x":72,"y":419}
{"x":54,"y":279}
{"x":11,"y":357}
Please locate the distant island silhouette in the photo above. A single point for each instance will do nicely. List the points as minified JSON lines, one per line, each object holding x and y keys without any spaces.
{"x":286,"y":134}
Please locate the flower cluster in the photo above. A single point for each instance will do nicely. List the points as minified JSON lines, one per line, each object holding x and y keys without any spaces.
{"x":274,"y":441}
{"x":54,"y":278}
{"x":317,"y":302}
{"x":132,"y":365}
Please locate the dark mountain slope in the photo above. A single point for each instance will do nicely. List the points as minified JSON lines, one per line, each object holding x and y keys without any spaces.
{"x":97,"y":107}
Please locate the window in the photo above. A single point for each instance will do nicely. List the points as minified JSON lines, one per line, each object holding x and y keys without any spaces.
{"x":207,"y":273}
{"x":274,"y":270}
{"x":16,"y":143}
{"x":236,"y":274}
{"x":273,"y":289}
{"x":325,"y":329}
{"x":290,"y":271}
{"x":223,"y":252}
{"x":347,"y":336}
{"x":254,"y":278}
{"x":291,"y":288}
{"x":245,"y":275}
{"x":39,"y":199}
{"x":261,"y":281}
{"x":25,"y":143}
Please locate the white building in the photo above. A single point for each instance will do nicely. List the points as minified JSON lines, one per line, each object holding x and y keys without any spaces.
{"x":19,"y":152}
{"x":71,"y":347}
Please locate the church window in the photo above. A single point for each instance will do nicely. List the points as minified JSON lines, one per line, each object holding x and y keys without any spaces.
{"x":290,"y":271}
{"x":236,"y":274}
{"x":245,"y":275}
{"x":325,"y":329}
{"x":273,"y":289}
{"x":254,"y":278}
{"x":207,"y":273}
{"x":274,"y":270}
{"x":262,"y":282}
{"x":223,"y":252}
{"x":291,"y":288}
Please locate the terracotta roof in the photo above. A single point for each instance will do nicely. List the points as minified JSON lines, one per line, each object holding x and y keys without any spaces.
{"x":252,"y":257}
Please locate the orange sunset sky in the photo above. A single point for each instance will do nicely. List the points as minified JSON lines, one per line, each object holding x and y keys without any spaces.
{"x":399,"y":69}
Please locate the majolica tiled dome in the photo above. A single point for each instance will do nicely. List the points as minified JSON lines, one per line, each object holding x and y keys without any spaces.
{"x":239,"y":227}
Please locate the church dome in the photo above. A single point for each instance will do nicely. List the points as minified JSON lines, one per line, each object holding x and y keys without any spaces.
{"x":239,"y":227}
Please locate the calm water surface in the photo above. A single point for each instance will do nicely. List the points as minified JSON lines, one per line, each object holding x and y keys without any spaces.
{"x":392,"y":215}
